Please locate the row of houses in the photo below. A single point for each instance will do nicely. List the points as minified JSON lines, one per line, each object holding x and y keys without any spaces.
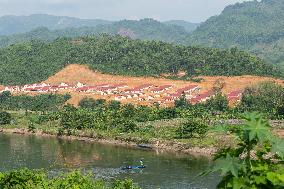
{"x":233,"y":96}
{"x":37,"y":87}
{"x":121,"y":91}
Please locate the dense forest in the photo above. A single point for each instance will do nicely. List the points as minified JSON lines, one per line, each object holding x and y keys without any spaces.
{"x":36,"y":61}
{"x":254,"y":26}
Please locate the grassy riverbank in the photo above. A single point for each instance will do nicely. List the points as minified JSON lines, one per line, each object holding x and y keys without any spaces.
{"x":160,"y":135}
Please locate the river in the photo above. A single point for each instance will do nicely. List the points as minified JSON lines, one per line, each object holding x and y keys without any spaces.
{"x":164,"y":170}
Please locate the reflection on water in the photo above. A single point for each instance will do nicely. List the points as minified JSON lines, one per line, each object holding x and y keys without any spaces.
{"x":163,"y":170}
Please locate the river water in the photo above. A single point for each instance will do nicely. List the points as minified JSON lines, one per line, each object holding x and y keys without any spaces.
{"x":164,"y":170}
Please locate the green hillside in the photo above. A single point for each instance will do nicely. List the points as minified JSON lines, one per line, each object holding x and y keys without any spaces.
{"x":35,"y":61}
{"x":188,"y":26}
{"x":254,"y":26}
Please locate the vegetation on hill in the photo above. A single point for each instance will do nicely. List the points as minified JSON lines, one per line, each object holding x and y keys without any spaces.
{"x":36,"y":61}
{"x":188,"y":26}
{"x":256,"y":26}
{"x":145,"y":29}
{"x":43,"y":102}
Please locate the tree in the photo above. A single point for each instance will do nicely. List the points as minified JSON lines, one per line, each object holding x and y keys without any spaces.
{"x":88,"y":103}
{"x":192,"y":128}
{"x":218,"y":103}
{"x":181,"y":102}
{"x":265,"y":97}
{"x":5,"y":118}
{"x":114,"y":105}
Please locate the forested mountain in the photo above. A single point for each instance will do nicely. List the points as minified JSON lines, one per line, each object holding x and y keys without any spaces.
{"x":256,"y":26}
{"x":36,"y":61}
{"x":188,"y":26}
{"x":146,"y":29}
{"x":20,"y":24}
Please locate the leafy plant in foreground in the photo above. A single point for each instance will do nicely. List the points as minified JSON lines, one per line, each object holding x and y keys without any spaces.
{"x":38,"y":179}
{"x":256,"y":161}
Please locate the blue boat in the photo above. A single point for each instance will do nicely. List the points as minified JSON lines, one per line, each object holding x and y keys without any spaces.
{"x":133,"y":167}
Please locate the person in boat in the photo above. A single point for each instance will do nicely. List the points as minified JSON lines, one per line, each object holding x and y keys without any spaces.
{"x":141,"y":163}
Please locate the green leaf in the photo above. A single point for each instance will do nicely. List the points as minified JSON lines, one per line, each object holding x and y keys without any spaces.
{"x":219,"y":129}
{"x":228,"y":165}
{"x":278,"y":147}
{"x":258,"y":127}
{"x":239,"y":183}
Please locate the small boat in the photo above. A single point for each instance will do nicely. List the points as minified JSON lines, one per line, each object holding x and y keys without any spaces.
{"x":133,"y":167}
{"x":146,"y":146}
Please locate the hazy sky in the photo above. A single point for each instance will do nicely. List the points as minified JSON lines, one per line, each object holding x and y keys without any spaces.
{"x":190,"y":10}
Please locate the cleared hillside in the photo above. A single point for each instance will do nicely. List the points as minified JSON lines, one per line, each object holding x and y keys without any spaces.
{"x":75,"y":73}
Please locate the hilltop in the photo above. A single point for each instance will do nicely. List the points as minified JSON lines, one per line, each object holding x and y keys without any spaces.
{"x":252,"y":26}
{"x":36,"y":61}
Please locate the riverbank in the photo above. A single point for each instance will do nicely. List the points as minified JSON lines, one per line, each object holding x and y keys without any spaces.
{"x":157,"y":145}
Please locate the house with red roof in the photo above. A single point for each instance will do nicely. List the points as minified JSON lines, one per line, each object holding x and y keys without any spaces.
{"x":161,"y":88}
{"x":188,"y":89}
{"x":203,"y":97}
{"x":235,"y":95}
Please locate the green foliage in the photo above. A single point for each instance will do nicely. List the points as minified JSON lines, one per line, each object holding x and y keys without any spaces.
{"x":192,"y":128}
{"x":128,"y":126}
{"x":72,"y":118}
{"x":218,"y":103}
{"x":87,"y":103}
{"x":196,"y":79}
{"x":36,"y":179}
{"x":43,"y":102}
{"x":266,"y":97}
{"x":181,"y":102}
{"x":31,"y":127}
{"x":104,"y":115}
{"x":36,"y":61}
{"x":256,"y":161}
{"x":255,"y":26}
{"x":5,"y":118}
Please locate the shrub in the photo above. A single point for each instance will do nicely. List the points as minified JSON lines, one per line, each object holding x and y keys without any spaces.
{"x":196,"y":79}
{"x":5,"y":118}
{"x":218,"y":103}
{"x":266,"y":97}
{"x":192,"y":128}
{"x":38,"y":179}
{"x":87,"y":103}
{"x":128,"y":126}
{"x":31,"y":127}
